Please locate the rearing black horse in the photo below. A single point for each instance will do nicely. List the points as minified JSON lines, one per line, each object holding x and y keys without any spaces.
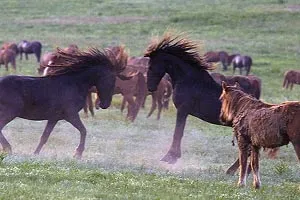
{"x":195,"y":92}
{"x":62,"y":93}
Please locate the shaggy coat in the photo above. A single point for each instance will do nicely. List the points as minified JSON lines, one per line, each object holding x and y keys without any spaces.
{"x":257,"y":124}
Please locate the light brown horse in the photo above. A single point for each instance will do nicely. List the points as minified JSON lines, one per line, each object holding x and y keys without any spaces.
{"x":8,"y":56}
{"x":10,"y":45}
{"x":257,"y":124}
{"x":291,"y":77}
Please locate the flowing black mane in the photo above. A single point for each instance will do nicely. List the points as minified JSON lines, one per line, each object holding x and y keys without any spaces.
{"x":180,"y":47}
{"x":66,"y":62}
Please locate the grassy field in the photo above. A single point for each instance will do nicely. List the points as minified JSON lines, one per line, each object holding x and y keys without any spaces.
{"x":121,"y":160}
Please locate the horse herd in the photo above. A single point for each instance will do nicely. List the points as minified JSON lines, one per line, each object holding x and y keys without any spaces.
{"x":170,"y":66}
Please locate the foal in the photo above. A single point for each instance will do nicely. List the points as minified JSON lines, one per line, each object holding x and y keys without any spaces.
{"x":257,"y":124}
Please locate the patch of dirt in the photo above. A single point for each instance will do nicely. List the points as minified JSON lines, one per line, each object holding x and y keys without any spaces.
{"x":72,"y":20}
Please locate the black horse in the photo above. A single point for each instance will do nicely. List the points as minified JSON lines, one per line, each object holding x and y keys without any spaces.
{"x":194,"y":90}
{"x":61,"y":94}
{"x":34,"y":47}
{"x":240,"y":61}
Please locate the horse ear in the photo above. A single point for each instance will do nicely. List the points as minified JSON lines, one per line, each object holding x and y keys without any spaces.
{"x":224,"y":85}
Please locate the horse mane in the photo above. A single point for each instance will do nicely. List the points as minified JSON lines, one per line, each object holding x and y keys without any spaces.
{"x":180,"y":47}
{"x":239,"y":100}
{"x":66,"y":62}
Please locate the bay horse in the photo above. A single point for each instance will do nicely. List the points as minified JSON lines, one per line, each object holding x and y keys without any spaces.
{"x":61,"y":94}
{"x":194,"y":91}
{"x":219,"y":56}
{"x":291,"y":77}
{"x":26,"y":47}
{"x":242,"y":61}
{"x":257,"y":124}
{"x":250,"y":84}
{"x":8,"y":56}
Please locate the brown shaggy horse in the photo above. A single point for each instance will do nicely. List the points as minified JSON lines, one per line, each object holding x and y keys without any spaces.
{"x":291,"y":77}
{"x":250,"y":84}
{"x":8,"y":56}
{"x":257,"y":124}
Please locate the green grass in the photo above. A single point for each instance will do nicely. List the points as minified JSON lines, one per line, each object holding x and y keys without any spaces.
{"x":121,"y":159}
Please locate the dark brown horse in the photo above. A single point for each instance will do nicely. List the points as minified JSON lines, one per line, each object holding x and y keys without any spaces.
{"x":61,"y":94}
{"x":250,"y":84}
{"x":26,"y":47}
{"x":194,"y":91}
{"x":242,"y":61}
{"x":291,"y":77}
{"x":8,"y":56}
{"x":257,"y":124}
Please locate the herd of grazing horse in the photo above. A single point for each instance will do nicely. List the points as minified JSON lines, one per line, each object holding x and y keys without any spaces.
{"x":173,"y":62}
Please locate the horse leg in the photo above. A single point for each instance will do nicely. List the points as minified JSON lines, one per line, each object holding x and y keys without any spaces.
{"x":241,"y":71}
{"x":254,"y":161}
{"x":159,"y":106}
{"x":5,"y":144}
{"x":175,"y":150}
{"x":243,"y":156}
{"x":123,"y":104}
{"x":296,"y":145}
{"x":26,"y":56}
{"x":131,"y":109}
{"x":21,"y":55}
{"x":49,"y":127}
{"x":77,"y":123}
{"x":153,"y":105}
{"x":90,"y":105}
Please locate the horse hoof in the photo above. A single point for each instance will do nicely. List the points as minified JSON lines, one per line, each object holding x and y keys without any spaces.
{"x":230,"y":172}
{"x":169,"y":159}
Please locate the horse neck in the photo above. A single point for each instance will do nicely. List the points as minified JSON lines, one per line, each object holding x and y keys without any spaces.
{"x":247,"y":103}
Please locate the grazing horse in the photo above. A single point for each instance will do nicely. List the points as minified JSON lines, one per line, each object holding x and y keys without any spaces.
{"x":250,"y":84}
{"x":61,"y":94}
{"x":8,"y":56}
{"x":194,"y":91}
{"x":240,"y":61}
{"x":218,"y":56}
{"x":291,"y":77}
{"x":257,"y":124}
{"x":34,"y":47}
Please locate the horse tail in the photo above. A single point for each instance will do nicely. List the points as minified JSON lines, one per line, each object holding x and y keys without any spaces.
{"x":167,"y":94}
{"x":257,"y":86}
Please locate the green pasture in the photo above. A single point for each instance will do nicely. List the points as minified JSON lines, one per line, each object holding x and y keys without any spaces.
{"x":121,"y":159}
